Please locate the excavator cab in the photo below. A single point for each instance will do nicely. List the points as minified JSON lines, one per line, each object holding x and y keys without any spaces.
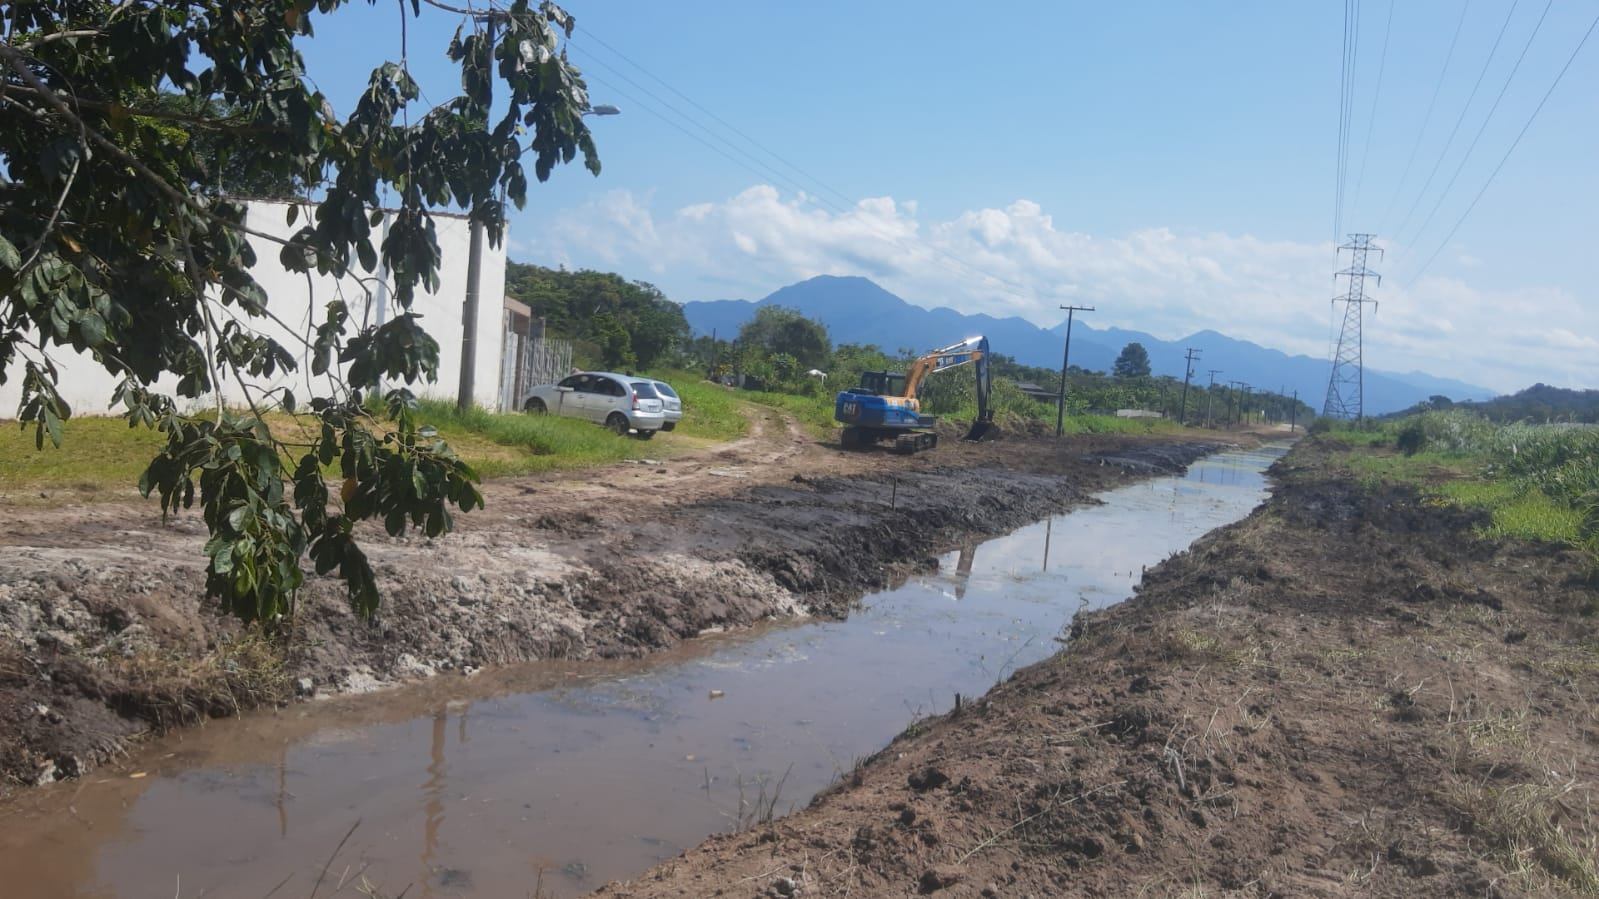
{"x":882,"y":383}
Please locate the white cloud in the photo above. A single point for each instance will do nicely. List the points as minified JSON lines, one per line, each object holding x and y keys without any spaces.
{"x":1016,"y":261}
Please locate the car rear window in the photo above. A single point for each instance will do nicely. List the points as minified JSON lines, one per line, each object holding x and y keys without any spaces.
{"x":644,"y":390}
{"x":665,"y":390}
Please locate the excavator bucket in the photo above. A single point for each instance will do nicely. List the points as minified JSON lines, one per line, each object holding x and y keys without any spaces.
{"x":982,"y":430}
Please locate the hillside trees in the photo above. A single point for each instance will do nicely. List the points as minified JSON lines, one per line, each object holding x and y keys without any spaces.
{"x":776,"y":329}
{"x":115,"y":242}
{"x":629,"y":322}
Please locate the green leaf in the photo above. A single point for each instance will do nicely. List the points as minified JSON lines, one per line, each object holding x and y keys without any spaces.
{"x":9,"y":257}
{"x":92,"y":326}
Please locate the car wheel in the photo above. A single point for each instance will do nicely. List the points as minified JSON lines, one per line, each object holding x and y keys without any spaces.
{"x":535,"y":406}
{"x":669,"y":426}
{"x":646,"y":435}
{"x":618,"y":423}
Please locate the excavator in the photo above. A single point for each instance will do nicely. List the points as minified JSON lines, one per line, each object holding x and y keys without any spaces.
{"x":885,"y":407}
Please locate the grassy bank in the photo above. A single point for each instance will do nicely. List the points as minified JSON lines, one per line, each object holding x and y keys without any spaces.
{"x":101,"y":458}
{"x":1538,"y":482}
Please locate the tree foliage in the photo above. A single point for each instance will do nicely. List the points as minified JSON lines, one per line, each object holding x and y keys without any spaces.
{"x":1133,"y":362}
{"x":777,"y":329}
{"x":115,"y":242}
{"x":592,"y":307}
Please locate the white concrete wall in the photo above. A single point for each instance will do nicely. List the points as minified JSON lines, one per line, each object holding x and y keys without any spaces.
{"x":301,"y":305}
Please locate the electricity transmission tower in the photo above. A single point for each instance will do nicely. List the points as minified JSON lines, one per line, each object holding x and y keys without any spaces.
{"x":1346,"y":388}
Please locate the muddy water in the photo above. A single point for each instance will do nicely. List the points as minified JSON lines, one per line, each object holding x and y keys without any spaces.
{"x":555,"y":777}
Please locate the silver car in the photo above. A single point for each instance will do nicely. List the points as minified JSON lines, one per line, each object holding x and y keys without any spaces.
{"x":620,"y":402}
{"x":672,"y":404}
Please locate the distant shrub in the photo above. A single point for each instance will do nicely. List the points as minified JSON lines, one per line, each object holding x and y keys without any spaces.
{"x":1412,"y":437}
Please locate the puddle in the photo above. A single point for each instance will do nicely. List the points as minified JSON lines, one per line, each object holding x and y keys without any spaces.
{"x":552,"y":778}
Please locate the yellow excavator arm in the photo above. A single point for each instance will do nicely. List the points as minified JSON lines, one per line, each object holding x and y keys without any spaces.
{"x":971,"y":351}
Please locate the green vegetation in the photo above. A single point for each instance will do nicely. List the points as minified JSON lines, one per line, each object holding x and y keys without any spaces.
{"x":1132,"y":362}
{"x":615,"y":323}
{"x":103,"y":455}
{"x":710,"y":411}
{"x":785,"y":339}
{"x":775,"y":350}
{"x":813,"y":410}
{"x":1538,"y":404}
{"x":1539,"y":482}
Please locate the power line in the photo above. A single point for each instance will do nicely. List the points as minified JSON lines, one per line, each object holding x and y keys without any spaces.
{"x":1425,"y":119}
{"x":1338,"y":144}
{"x":1484,"y":127}
{"x":769,"y":172}
{"x":1346,"y":97}
{"x":1371,"y":120}
{"x":589,"y":33}
{"x":1513,"y":144}
{"x":1449,"y":142}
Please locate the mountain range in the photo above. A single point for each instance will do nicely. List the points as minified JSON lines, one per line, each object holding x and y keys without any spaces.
{"x":858,"y":310}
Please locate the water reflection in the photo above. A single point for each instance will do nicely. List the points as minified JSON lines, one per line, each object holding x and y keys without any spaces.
{"x":567,"y":775}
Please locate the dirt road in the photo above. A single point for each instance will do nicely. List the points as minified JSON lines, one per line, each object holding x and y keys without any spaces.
{"x":104,"y":634}
{"x":1348,"y":693}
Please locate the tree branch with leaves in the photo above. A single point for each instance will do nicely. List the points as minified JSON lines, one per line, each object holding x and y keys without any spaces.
{"x":123,"y":127}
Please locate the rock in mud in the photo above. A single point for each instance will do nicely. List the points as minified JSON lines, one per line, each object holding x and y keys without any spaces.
{"x":929,"y":778}
{"x":939,"y":877}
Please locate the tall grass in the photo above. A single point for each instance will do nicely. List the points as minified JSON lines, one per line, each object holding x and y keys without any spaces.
{"x":1539,"y":481}
{"x":710,"y":411}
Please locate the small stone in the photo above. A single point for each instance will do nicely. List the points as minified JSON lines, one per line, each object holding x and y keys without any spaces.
{"x":305,"y":687}
{"x":46,"y":774}
{"x":718,"y":694}
{"x":785,"y":886}
{"x":938,"y":877}
{"x":929,"y":778}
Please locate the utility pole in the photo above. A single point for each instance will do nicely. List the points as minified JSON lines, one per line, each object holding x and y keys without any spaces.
{"x":1188,"y":373}
{"x":1293,"y":414}
{"x":1346,"y":387}
{"x":1244,"y":406}
{"x":1234,"y":402}
{"x":1065,"y":360}
{"x":1210,"y":396}
{"x":474,"y":254}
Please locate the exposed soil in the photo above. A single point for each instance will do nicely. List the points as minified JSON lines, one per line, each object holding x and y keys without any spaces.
{"x":1349,"y":692}
{"x":105,"y":635}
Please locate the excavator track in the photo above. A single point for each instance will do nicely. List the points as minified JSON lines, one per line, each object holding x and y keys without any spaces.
{"x":906,"y":444}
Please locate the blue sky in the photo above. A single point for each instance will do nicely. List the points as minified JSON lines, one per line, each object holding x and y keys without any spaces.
{"x":1171,"y":162}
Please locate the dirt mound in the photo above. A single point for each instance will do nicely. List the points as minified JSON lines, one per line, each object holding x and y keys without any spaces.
{"x":1349,"y":692}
